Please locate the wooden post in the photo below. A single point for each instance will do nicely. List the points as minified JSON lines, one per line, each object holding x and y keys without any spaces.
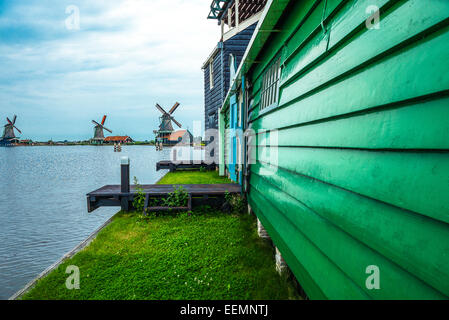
{"x":281,"y":265}
{"x":125,"y":175}
{"x":237,"y":13}
{"x":124,"y":187}
{"x":261,"y":231}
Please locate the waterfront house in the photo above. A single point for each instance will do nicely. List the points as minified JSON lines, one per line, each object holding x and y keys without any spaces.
{"x":337,"y":122}
{"x":238,"y":19}
{"x":25,"y":142}
{"x":180,"y":137}
{"x":118,"y":139}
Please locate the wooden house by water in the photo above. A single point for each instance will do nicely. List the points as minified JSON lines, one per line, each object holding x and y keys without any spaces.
{"x":118,"y":139}
{"x":238,"y":19}
{"x":345,"y":160}
{"x":181,"y":137}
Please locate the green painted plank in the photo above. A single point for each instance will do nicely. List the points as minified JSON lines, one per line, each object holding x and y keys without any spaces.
{"x":287,"y":26}
{"x":311,"y":33}
{"x":303,"y":277}
{"x":331,"y":280}
{"x":415,"y":181}
{"x":305,"y":15}
{"x":420,"y":125}
{"x":411,"y":180}
{"x":391,"y":80}
{"x":353,"y":14}
{"x":418,"y":244}
{"x":397,"y":26}
{"x":396,"y":68}
{"x":349,"y":254}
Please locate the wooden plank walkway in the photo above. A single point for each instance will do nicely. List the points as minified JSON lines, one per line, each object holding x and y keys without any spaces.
{"x":110,"y":195}
{"x":176,"y":165}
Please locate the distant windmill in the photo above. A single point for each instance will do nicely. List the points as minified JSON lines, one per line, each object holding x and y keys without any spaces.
{"x":8,"y":131}
{"x":98,"y":133}
{"x":165,"y":125}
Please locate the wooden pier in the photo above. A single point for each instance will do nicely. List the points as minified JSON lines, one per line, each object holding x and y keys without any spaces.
{"x":177,"y":165}
{"x":111,"y":195}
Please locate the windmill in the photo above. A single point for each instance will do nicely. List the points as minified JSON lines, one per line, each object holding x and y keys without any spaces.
{"x":165,"y":125}
{"x":8,"y":136}
{"x":98,"y":133}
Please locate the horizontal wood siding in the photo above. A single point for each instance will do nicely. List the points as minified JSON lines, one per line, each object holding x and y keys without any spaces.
{"x":236,"y":46}
{"x":214,"y":98}
{"x":360,"y":176}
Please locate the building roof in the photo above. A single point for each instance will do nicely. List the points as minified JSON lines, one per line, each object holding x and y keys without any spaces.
{"x":270,"y":17}
{"x":117,"y":138}
{"x":174,"y":136}
{"x":211,"y":56}
{"x":247,"y":8}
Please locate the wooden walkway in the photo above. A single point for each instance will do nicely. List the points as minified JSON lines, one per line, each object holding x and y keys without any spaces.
{"x":176,"y":165}
{"x":110,"y":195}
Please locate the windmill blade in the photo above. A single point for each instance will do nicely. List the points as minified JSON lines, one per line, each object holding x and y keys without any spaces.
{"x":100,"y":125}
{"x":160,"y":108}
{"x":177,"y":123}
{"x":9,"y":121}
{"x":14,"y":120}
{"x":103,"y":120}
{"x":17,"y":129}
{"x":174,"y":108}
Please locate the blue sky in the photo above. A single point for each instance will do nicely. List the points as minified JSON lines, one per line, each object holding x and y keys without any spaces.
{"x":126,"y":56}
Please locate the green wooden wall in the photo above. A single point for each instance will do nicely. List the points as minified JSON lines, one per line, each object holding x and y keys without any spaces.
{"x":362,"y":170}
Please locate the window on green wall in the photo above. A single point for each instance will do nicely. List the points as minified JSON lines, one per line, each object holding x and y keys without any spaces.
{"x":270,"y":85}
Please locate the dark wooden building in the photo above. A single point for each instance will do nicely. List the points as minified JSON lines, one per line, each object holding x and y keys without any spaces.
{"x":240,"y":17}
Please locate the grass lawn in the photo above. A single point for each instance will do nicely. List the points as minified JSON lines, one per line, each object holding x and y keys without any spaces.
{"x":204,"y":255}
{"x":193,"y":177}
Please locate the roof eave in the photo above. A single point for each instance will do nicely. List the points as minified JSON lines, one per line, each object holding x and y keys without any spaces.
{"x":210,"y":57}
{"x":270,"y":16}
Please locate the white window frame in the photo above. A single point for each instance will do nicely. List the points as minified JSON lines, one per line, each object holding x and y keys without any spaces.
{"x":269,"y":94}
{"x":232,"y":70}
{"x":239,"y":109}
{"x":211,"y":74}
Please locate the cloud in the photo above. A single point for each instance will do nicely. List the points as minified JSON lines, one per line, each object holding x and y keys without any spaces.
{"x":126,"y":56}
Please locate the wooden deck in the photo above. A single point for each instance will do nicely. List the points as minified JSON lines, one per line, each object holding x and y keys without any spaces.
{"x":110,"y":195}
{"x":176,"y":165}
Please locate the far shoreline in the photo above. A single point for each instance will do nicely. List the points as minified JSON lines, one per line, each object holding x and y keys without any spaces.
{"x":94,"y":145}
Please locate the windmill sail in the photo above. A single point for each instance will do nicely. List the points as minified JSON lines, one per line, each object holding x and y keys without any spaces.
{"x":8,"y":130}
{"x":165,"y":123}
{"x":98,"y":131}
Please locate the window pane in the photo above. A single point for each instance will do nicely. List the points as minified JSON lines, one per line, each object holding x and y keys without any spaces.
{"x":262,"y":99}
{"x":270,"y":85}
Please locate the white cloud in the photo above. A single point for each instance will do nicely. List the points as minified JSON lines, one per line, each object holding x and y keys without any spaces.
{"x":126,"y":56}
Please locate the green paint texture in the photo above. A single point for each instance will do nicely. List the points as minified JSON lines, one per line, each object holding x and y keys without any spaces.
{"x":362,"y":170}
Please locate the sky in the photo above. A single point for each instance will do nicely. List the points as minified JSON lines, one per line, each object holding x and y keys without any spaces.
{"x":65,"y":63}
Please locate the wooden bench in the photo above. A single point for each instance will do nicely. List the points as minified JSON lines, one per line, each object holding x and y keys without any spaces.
{"x":146,"y":208}
{"x":111,"y":195}
{"x":178,"y":165}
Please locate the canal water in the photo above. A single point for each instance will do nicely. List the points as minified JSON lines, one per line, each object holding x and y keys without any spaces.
{"x":43,"y":211}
